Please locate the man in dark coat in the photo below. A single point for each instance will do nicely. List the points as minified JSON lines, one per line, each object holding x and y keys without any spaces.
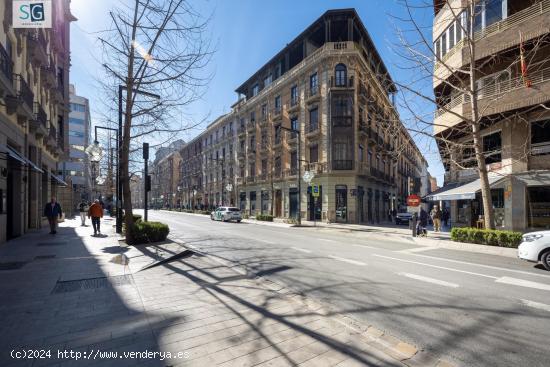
{"x":52,"y":211}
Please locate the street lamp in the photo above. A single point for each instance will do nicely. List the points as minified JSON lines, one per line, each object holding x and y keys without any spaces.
{"x":298,"y":178}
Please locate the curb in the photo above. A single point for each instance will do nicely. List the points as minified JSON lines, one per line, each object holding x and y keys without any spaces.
{"x":402,"y":351}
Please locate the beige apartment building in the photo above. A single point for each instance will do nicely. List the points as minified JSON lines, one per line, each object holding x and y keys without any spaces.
{"x":514,"y":108}
{"x":331,"y":85}
{"x":34,"y":108}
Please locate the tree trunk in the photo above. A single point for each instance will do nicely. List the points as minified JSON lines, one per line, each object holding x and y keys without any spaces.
{"x":477,"y":139}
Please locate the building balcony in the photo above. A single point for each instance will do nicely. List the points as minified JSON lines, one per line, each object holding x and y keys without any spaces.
{"x":6,"y":73}
{"x":294,"y":104}
{"x":241,"y":131}
{"x":37,"y":47}
{"x":495,"y":38}
{"x":51,"y":141}
{"x":251,"y":152}
{"x":316,"y":167}
{"x":277,"y":113}
{"x":312,"y":130}
{"x":251,"y":179}
{"x":342,"y":121}
{"x":262,"y":178}
{"x":342,"y":165}
{"x":313,"y":94}
{"x":344,"y":84}
{"x":59,"y":92}
{"x":22,"y":103}
{"x":363,"y":169}
{"x":47,"y":75}
{"x":40,"y":122}
{"x":292,"y":138}
{"x":263,"y":122}
{"x":496,"y":98}
{"x":291,"y":172}
{"x":240,"y":181}
{"x":251,"y":127}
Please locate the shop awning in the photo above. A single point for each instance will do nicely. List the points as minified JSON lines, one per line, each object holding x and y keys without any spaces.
{"x":19,"y":157}
{"x":57,"y":179}
{"x":535,"y":178}
{"x":463,"y":192}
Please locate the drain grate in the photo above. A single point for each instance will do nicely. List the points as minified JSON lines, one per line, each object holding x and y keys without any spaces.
{"x":58,"y":243}
{"x":44,"y":257}
{"x":12,"y":265}
{"x":91,"y":283}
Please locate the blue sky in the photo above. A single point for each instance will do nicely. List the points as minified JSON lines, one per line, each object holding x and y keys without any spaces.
{"x":246,"y":33}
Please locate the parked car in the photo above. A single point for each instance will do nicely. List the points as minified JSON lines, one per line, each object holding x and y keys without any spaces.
{"x":403,"y":218}
{"x":226,"y":213}
{"x":535,"y":247}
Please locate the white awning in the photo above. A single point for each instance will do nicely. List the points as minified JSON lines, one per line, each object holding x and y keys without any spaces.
{"x":464,"y":192}
{"x":19,"y":157}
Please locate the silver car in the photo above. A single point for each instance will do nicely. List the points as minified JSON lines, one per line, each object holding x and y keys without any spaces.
{"x":227,"y":213}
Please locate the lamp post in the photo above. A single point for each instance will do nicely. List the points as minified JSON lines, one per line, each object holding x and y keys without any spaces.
{"x":298,"y":178}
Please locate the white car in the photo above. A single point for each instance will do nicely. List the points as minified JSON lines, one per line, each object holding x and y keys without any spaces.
{"x":226,"y":213}
{"x":535,"y":247}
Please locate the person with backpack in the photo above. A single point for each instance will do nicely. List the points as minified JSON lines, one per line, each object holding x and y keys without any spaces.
{"x":96,"y":213}
{"x":83,"y":210}
{"x":52,"y":211}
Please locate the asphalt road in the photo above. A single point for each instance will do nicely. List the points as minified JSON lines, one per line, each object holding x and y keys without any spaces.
{"x":473,"y":309}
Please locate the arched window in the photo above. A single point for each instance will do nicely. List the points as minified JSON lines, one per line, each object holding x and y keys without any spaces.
{"x":340,"y":75}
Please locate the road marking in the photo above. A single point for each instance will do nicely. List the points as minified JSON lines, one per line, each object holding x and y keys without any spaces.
{"x":326,"y":240}
{"x":429,"y":280}
{"x":365,"y":246}
{"x":418,"y":249}
{"x":483,"y":266}
{"x":437,"y":267}
{"x":268,"y":242}
{"x":347,"y":260}
{"x":301,"y":250}
{"x":540,"y":306}
{"x":523,"y":283}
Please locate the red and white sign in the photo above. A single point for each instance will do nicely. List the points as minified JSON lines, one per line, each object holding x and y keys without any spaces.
{"x":413,"y":200}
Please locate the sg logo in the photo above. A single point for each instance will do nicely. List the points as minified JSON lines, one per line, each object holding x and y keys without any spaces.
{"x":33,"y":12}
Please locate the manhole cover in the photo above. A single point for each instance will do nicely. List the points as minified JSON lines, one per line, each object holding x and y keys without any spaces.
{"x":12,"y":265}
{"x":91,"y":283}
{"x":58,"y":243}
{"x":44,"y":257}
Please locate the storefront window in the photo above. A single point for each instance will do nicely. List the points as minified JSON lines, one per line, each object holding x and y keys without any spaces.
{"x":538,"y":207}
{"x":341,"y":203}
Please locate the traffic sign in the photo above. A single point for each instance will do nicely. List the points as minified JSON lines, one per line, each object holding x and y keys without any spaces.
{"x":315,"y":191}
{"x":413,"y":200}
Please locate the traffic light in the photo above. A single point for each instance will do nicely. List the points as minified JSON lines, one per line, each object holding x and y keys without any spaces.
{"x":148,"y":183}
{"x":146,"y":151}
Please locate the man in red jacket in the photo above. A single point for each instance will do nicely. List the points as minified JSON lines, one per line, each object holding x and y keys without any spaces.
{"x":96,"y":213}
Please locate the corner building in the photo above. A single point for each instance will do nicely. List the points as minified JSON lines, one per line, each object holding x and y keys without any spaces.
{"x":330,"y":84}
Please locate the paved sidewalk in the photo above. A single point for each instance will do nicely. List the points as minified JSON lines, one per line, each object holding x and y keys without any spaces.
{"x":73,"y":293}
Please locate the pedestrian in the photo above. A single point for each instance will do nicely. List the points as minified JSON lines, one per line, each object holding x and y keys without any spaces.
{"x":445,"y":217}
{"x":52,"y":211}
{"x":435,"y":214}
{"x":422,"y":223}
{"x":83,"y":210}
{"x":96,"y":213}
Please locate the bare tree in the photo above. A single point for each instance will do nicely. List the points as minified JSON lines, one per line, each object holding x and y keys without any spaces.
{"x":153,"y":47}
{"x":427,"y":64}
